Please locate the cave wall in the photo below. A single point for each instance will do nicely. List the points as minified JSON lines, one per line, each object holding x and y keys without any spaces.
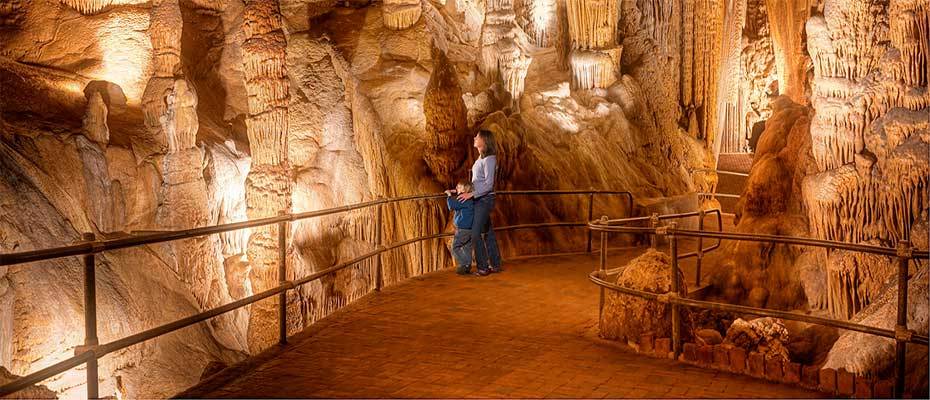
{"x":183,"y":113}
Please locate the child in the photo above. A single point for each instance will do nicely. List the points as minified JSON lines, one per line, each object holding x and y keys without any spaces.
{"x":464,"y":215}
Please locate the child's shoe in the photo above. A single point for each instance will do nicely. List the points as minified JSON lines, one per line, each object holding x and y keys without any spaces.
{"x":462,"y":271}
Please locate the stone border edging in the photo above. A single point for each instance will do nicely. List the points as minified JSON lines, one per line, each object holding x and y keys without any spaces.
{"x":739,"y":361}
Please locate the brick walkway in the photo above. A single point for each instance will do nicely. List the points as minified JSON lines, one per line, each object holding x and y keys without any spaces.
{"x":528,"y":332}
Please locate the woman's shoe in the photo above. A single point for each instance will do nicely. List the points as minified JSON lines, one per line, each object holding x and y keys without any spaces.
{"x":494,"y":269}
{"x":482,"y":272}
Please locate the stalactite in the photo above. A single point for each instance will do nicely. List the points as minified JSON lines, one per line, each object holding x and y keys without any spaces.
{"x":169,"y":102}
{"x":543,"y":22}
{"x":95,"y":119}
{"x":687,"y":53}
{"x":87,"y":7}
{"x":400,"y":14}
{"x":504,"y":51}
{"x":592,"y":24}
{"x":592,"y":30}
{"x":594,"y":68}
{"x":910,"y":34}
{"x":563,"y":42}
{"x":855,"y":280}
{"x":165,"y":34}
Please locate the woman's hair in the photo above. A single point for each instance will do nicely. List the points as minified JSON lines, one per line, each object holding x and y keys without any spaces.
{"x":490,"y":146}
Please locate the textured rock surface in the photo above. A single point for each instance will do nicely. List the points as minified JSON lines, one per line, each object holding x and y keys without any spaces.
{"x":762,"y":335}
{"x":772,"y":275}
{"x":626,"y":317}
{"x":172,"y":114}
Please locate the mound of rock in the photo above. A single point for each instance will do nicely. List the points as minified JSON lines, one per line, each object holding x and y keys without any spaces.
{"x":628,"y":318}
{"x":762,"y":335}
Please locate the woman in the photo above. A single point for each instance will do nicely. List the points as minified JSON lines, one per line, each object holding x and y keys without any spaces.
{"x":482,"y":177}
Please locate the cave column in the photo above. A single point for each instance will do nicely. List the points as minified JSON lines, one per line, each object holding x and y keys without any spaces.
{"x":268,"y":188}
{"x":592,"y":29}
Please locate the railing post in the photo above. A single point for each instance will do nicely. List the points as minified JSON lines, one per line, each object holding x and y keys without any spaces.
{"x":905,"y":252}
{"x":654,"y":239}
{"x":590,"y":215}
{"x":90,"y":317}
{"x":602,"y":264}
{"x":282,"y":277}
{"x":700,"y":250}
{"x":676,"y":318}
{"x":379,"y":276}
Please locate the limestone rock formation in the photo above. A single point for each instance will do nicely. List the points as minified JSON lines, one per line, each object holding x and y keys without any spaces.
{"x":763,"y":335}
{"x":592,"y":29}
{"x":400,"y":14}
{"x":771,"y":203}
{"x":626,"y":317}
{"x":869,"y":129}
{"x":33,"y":392}
{"x":864,"y":354}
{"x":222,"y":111}
{"x":95,"y":120}
{"x":268,"y":185}
{"x":504,"y":48}
{"x":446,"y":128}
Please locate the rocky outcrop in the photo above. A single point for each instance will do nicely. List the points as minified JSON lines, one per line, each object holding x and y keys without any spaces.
{"x":864,"y":354}
{"x":762,"y":335}
{"x":626,"y":317}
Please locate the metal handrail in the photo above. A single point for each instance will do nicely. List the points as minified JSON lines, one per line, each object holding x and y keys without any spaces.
{"x":153,"y":237}
{"x":91,"y":351}
{"x":724,"y":195}
{"x":904,"y":253}
{"x":829,"y":244}
{"x":719,"y":171}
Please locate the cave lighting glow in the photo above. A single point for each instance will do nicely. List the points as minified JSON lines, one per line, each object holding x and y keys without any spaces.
{"x":126,"y":53}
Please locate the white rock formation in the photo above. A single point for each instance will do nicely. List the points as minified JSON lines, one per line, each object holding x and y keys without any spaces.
{"x":592,"y":28}
{"x":400,"y":14}
{"x":870,"y":128}
{"x":504,"y":48}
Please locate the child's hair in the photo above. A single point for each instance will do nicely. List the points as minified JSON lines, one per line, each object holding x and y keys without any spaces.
{"x":467,"y":187}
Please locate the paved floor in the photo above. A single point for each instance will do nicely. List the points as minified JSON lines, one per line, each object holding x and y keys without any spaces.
{"x":528,"y":332}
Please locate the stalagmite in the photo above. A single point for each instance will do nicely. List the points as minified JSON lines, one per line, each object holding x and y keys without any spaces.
{"x":95,"y":120}
{"x":446,"y":126}
{"x":400,"y":14}
{"x":592,"y":28}
{"x":268,"y":185}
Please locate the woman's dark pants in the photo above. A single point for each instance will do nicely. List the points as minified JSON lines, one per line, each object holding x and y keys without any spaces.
{"x":484,"y":247}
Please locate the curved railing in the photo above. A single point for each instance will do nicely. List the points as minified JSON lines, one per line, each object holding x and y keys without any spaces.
{"x":91,"y":351}
{"x":904,"y":253}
